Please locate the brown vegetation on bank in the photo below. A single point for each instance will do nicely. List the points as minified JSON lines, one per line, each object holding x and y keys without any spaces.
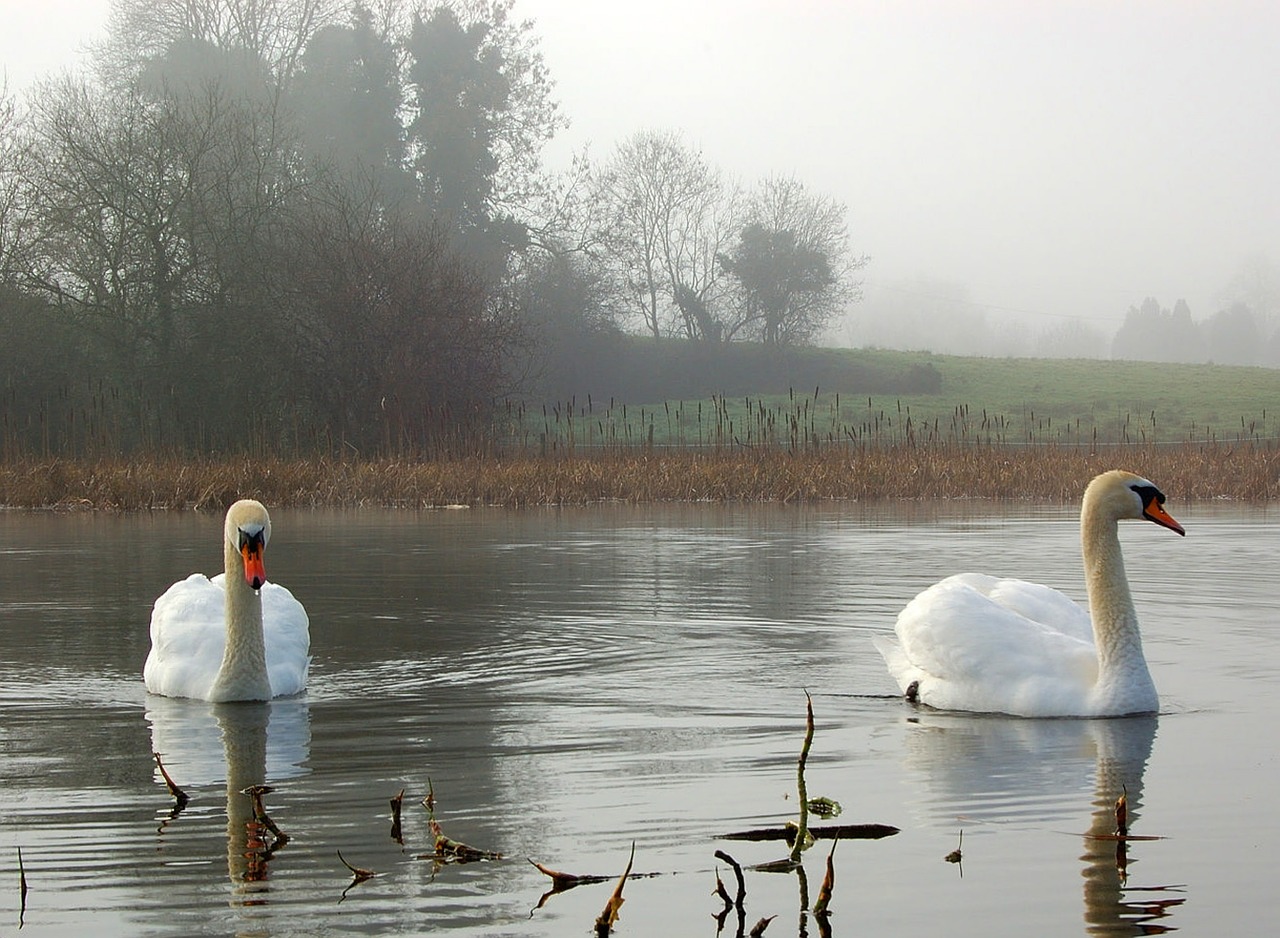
{"x":1044,"y":473}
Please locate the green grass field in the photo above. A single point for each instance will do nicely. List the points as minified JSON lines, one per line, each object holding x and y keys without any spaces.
{"x":981,"y":400}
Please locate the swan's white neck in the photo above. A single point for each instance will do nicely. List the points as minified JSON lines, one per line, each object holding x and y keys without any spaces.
{"x":243,"y":675}
{"x":1124,"y":682}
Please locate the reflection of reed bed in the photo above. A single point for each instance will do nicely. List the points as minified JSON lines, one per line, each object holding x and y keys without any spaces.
{"x":1248,"y":471}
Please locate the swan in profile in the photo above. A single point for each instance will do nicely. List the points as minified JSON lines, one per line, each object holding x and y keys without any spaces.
{"x":974,"y":642}
{"x":235,"y":637}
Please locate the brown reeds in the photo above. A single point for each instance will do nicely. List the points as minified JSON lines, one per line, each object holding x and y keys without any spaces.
{"x":1187,"y":472}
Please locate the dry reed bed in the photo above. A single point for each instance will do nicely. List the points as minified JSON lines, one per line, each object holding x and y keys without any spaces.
{"x":1046,"y":474}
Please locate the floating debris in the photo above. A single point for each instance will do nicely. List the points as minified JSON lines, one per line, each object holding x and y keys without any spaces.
{"x":825,"y":807}
{"x":955,"y":856}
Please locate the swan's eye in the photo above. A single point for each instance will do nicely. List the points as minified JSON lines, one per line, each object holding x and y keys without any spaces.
{"x":252,"y":540}
{"x":1148,"y":494}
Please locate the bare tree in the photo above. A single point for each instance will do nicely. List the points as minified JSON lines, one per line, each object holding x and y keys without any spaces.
{"x":670,"y":214}
{"x":273,"y":31}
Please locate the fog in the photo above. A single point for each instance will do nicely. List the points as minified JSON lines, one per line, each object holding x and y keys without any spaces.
{"x":1018,"y":173}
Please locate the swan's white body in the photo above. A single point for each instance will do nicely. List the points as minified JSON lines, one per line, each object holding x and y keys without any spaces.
{"x":235,"y":637}
{"x":977,"y":643}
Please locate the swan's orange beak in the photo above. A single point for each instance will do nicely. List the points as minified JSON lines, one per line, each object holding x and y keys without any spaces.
{"x":255,"y":571}
{"x":1154,"y":511}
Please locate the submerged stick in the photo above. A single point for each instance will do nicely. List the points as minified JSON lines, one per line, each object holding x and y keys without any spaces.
{"x":802,"y":832}
{"x":178,"y":794}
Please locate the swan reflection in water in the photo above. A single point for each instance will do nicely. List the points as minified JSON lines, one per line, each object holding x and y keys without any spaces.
{"x":991,"y":767}
{"x":242,"y":744}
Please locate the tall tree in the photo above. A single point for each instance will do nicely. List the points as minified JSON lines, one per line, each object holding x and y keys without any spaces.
{"x":272,"y":31}
{"x":670,"y":214}
{"x":347,"y":98}
{"x":481,"y":112}
{"x":792,"y":263}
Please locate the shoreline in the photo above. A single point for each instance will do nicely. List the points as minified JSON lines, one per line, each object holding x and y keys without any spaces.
{"x":1042,"y":473}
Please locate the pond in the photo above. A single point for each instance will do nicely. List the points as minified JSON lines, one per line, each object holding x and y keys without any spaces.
{"x":570,"y":682}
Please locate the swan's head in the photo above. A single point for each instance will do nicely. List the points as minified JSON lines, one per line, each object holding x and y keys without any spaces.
{"x":248,"y":529}
{"x":1126,"y":495}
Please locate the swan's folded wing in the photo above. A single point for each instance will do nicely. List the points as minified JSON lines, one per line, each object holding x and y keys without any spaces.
{"x":975,"y":653}
{"x":287,"y":633}
{"x":188,"y":635}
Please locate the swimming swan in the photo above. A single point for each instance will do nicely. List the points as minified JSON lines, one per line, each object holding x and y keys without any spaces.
{"x":973,"y":642}
{"x":235,"y":637}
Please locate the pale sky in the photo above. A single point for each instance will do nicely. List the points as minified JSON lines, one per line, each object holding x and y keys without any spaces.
{"x":1058,"y":159}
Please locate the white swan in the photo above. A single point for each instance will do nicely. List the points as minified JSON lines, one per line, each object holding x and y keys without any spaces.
{"x":235,"y":637}
{"x":973,"y":642}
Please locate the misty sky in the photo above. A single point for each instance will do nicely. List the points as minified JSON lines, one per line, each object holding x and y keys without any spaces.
{"x":1052,"y":159}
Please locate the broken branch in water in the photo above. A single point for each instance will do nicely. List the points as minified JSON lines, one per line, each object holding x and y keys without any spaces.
{"x":359,"y":873}
{"x":830,"y":832}
{"x":396,"y":804}
{"x":609,"y":917}
{"x":446,"y":848}
{"x":562,"y":881}
{"x":22,"y":889}
{"x":255,"y":793}
{"x":178,"y":794}
{"x":820,"y":908}
{"x":802,"y":838}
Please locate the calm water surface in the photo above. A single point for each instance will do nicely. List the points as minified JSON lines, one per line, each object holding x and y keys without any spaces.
{"x":572,"y":681}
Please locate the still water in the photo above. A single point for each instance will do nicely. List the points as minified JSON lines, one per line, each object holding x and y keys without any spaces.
{"x":569,"y":682}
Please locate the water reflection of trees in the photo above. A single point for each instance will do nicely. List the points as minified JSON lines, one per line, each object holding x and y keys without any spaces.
{"x":986,"y":766}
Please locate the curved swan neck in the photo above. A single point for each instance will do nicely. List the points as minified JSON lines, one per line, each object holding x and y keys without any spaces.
{"x":1115,"y":623}
{"x":243,"y":674}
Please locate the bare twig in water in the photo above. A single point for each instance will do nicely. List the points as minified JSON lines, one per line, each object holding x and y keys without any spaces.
{"x":562,"y":881}
{"x":178,"y":794}
{"x":446,"y":848}
{"x":758,"y":929}
{"x":955,"y":856}
{"x":396,"y":804}
{"x":737,"y":871}
{"x":255,"y":793}
{"x":1122,"y":811}
{"x":359,"y":873}
{"x":821,"y":907}
{"x":22,"y":889}
{"x":609,"y":917}
{"x":803,"y":839}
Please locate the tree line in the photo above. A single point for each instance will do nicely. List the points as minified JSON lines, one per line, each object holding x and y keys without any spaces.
{"x":315,"y":225}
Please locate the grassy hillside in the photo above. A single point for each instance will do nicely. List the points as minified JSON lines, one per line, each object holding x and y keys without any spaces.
{"x":869,"y":397}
